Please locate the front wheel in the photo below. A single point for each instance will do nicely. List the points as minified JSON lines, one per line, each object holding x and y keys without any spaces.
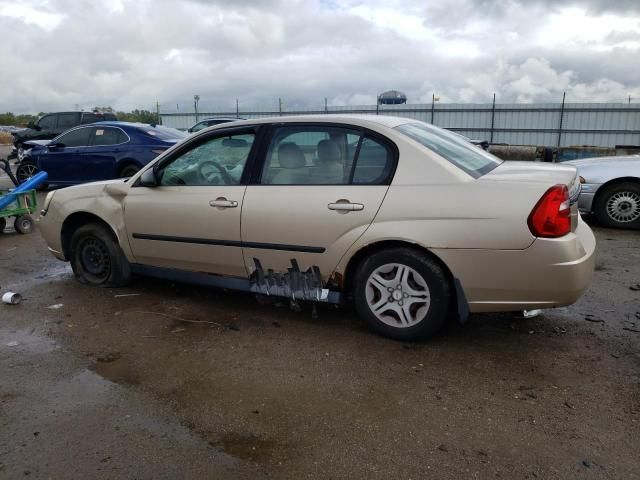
{"x":618,"y":206}
{"x":96,"y":257}
{"x":25,"y":171}
{"x":402,"y":294}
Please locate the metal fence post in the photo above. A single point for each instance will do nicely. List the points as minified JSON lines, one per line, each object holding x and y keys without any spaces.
{"x":280,"y":105}
{"x":433,"y":106}
{"x":493,"y":116}
{"x":237,"y":109}
{"x":561,"y":116}
{"x":326,"y":109}
{"x":377,"y":104}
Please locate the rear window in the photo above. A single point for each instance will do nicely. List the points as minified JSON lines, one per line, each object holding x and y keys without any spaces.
{"x":162,"y":133}
{"x":452,"y":147}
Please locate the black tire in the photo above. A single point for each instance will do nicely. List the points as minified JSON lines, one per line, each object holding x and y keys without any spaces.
{"x":96,"y":257}
{"x":25,"y":171}
{"x":3,"y":224}
{"x":129,"y":171}
{"x":23,"y":224}
{"x":618,"y":205}
{"x":431,"y":273}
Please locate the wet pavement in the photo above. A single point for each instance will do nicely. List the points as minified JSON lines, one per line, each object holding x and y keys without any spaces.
{"x":158,"y":380}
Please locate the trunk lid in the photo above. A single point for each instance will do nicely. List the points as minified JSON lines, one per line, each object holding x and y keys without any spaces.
{"x":544,"y":175}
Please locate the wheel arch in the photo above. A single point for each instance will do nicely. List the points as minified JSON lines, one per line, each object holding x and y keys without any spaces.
{"x":613,"y":181}
{"x":75,"y":221}
{"x":125,"y":162}
{"x":362,"y":253}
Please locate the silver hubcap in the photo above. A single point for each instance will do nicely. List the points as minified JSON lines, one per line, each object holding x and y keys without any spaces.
{"x":398,"y":295}
{"x":624,"y":207}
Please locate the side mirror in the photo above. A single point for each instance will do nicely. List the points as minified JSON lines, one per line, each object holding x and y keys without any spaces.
{"x":148,"y":178}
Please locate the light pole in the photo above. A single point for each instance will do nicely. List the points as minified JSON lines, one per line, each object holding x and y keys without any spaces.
{"x":196,"y":99}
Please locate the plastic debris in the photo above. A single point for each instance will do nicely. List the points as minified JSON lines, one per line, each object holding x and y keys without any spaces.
{"x":56,"y":306}
{"x":11,"y":298}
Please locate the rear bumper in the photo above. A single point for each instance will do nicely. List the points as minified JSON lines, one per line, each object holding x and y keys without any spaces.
{"x":550,"y":273}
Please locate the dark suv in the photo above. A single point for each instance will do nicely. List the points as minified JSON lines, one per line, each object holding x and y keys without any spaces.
{"x":53,"y":124}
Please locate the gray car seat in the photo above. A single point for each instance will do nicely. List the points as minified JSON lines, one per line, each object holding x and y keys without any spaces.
{"x":292,"y":166}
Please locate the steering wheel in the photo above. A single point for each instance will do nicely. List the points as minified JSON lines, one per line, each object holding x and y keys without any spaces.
{"x":208,"y":175}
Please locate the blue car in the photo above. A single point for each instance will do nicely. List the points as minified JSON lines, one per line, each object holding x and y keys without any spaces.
{"x":99,"y":151}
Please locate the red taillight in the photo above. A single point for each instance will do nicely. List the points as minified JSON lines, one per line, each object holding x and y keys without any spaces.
{"x":551,"y":217}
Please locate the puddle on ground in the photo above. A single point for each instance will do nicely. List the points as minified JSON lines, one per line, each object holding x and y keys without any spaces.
{"x":247,"y":447}
{"x":113,"y":368}
{"x":26,"y":341}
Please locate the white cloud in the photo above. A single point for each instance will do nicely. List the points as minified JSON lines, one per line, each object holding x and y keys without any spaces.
{"x":130,"y":53}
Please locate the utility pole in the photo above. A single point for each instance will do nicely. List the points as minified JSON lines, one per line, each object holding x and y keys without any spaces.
{"x":326,"y":110}
{"x":237,"y":109}
{"x":196,"y":99}
{"x":158,"y":119}
{"x":280,"y":105}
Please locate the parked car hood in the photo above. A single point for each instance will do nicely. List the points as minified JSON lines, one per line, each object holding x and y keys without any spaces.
{"x":40,"y":143}
{"x":621,"y":160}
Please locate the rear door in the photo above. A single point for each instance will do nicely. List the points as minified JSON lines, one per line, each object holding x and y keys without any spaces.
{"x":61,"y":163}
{"x":191,"y":220}
{"x":99,"y":158}
{"x":318,"y":188}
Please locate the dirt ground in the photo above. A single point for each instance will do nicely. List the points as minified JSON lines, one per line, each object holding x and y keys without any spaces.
{"x":169,"y":381}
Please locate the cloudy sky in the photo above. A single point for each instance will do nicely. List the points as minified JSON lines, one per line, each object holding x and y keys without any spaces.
{"x":58,"y":54}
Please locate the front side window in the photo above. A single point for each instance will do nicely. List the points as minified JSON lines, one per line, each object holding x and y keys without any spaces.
{"x":47,"y":122}
{"x":452,"y":147}
{"x":304,"y":155}
{"x":75,"y":138}
{"x":108,"y":136}
{"x":217,"y":161}
{"x":67,"y":120}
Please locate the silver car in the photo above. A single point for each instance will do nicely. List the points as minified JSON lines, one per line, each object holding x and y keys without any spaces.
{"x":610,"y":189}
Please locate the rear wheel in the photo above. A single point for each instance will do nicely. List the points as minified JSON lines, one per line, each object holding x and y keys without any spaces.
{"x":23,"y":224}
{"x":129,"y":171}
{"x":402,"y":294}
{"x":618,"y":205}
{"x":96,"y":257}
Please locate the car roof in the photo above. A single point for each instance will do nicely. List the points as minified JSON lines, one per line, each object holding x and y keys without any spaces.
{"x":114,"y":123}
{"x":362,"y":120}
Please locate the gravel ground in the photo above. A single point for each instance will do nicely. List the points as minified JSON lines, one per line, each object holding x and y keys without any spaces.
{"x":169,"y":381}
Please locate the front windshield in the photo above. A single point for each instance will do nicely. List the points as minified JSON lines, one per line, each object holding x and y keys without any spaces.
{"x":452,"y":147}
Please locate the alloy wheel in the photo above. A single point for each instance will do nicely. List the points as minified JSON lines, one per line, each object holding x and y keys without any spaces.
{"x":26,"y":171}
{"x":624,"y":207}
{"x":398,"y":295}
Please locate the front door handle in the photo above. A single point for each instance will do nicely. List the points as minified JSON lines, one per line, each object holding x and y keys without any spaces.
{"x":346,"y":206}
{"x":222,"y":202}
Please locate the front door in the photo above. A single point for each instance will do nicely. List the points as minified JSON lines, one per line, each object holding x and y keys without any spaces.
{"x":61,"y":163}
{"x":191,"y":220}
{"x":319,"y":189}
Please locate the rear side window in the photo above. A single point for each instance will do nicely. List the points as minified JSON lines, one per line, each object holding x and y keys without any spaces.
{"x":325,"y":155}
{"x":109,"y":136}
{"x":67,"y":120}
{"x":89,"y":118}
{"x":452,"y":147}
{"x":162,"y":133}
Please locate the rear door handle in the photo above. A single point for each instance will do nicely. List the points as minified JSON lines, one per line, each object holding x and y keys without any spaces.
{"x":346,"y":206}
{"x":222,"y":202}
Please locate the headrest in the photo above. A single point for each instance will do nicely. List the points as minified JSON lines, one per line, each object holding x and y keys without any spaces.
{"x":328,"y":151}
{"x":290,"y":156}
